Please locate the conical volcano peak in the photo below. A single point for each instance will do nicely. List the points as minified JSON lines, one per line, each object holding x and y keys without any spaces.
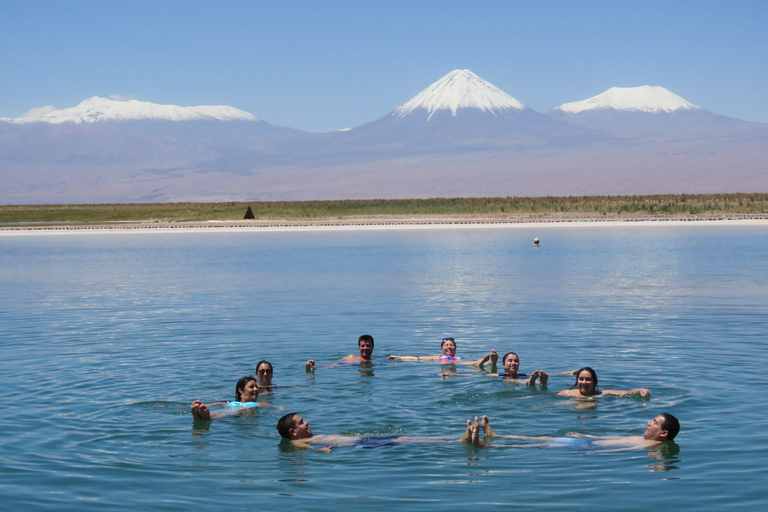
{"x":459,"y":89}
{"x":652,"y":99}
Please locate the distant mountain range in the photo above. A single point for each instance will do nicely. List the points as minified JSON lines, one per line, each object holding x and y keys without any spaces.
{"x":461,"y":136}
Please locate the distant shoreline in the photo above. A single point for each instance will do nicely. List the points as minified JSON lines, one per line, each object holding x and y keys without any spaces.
{"x":383,"y":223}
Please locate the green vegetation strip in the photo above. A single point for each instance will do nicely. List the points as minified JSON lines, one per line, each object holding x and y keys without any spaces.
{"x":497,"y":207}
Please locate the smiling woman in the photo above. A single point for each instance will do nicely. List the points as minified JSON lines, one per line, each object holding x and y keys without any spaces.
{"x":448,"y":355}
{"x":246,"y":396}
{"x":586,"y":386}
{"x":264,"y":373}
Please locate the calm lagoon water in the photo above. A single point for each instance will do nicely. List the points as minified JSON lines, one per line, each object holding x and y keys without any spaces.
{"x":105,"y":340}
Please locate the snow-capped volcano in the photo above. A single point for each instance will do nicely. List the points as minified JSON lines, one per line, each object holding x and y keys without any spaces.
{"x":459,"y":89}
{"x":651,"y":99}
{"x":98,"y":109}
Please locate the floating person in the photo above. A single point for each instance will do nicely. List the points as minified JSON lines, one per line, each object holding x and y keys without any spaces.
{"x":364,"y":345}
{"x":660,"y":429}
{"x":586,"y":386}
{"x":296,"y":429}
{"x":535,"y":242}
{"x":448,"y":349}
{"x":264,"y":374}
{"x":511,"y":364}
{"x":246,"y":396}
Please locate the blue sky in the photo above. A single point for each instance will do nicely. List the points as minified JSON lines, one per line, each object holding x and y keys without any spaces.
{"x":321,"y":66}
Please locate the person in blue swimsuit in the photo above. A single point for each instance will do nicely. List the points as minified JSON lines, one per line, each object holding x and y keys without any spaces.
{"x":660,"y":429}
{"x":246,"y":396}
{"x":295,"y":429}
{"x":448,"y":355}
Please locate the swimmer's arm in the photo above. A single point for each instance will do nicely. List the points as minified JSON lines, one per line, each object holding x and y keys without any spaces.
{"x":643,"y":392}
{"x":448,"y":374}
{"x":305,"y":445}
{"x":566,"y":392}
{"x":243,"y":411}
{"x":513,"y":436}
{"x":265,"y":404}
{"x":412,"y":358}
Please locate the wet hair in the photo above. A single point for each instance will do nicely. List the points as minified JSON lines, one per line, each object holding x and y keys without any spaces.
{"x":241,"y":385}
{"x":504,"y":359}
{"x":446,"y":340}
{"x":285,"y":424}
{"x":365,"y":337}
{"x":594,"y":378}
{"x":263,"y":361}
{"x":671,"y":425}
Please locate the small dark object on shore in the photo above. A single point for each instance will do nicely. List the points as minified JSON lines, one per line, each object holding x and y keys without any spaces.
{"x":249,"y":214}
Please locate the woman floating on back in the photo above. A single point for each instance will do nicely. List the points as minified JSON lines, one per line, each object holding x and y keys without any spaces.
{"x":448,"y":349}
{"x":586,"y":386}
{"x":246,"y":396}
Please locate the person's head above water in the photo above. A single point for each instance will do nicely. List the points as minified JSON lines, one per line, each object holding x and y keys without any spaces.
{"x":448,"y":347}
{"x":586,"y":382}
{"x":264,"y":372}
{"x":663,"y":427}
{"x":365,"y":344}
{"x":247,"y":389}
{"x":293,"y":426}
{"x":511,"y":363}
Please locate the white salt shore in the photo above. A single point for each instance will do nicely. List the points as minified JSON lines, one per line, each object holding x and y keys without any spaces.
{"x":357,"y":225}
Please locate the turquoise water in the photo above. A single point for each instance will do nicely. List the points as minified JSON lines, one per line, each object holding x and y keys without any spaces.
{"x":106,"y":339}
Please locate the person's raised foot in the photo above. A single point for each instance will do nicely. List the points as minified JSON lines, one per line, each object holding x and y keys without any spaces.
{"x":486,"y":424}
{"x":467,"y":436}
{"x":205,"y":414}
{"x":195,"y":408}
{"x":476,"y":440}
{"x":543,"y":377}
{"x":494,"y":358}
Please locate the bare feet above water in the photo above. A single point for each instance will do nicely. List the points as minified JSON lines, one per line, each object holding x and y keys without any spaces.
{"x":476,"y":440}
{"x":200,"y":411}
{"x":486,"y":425}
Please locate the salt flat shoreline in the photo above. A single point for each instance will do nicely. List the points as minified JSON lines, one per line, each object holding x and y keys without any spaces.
{"x":386,"y":223}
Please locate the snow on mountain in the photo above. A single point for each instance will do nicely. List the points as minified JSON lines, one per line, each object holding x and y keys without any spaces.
{"x":98,"y":109}
{"x":651,"y":99}
{"x":458,"y":89}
